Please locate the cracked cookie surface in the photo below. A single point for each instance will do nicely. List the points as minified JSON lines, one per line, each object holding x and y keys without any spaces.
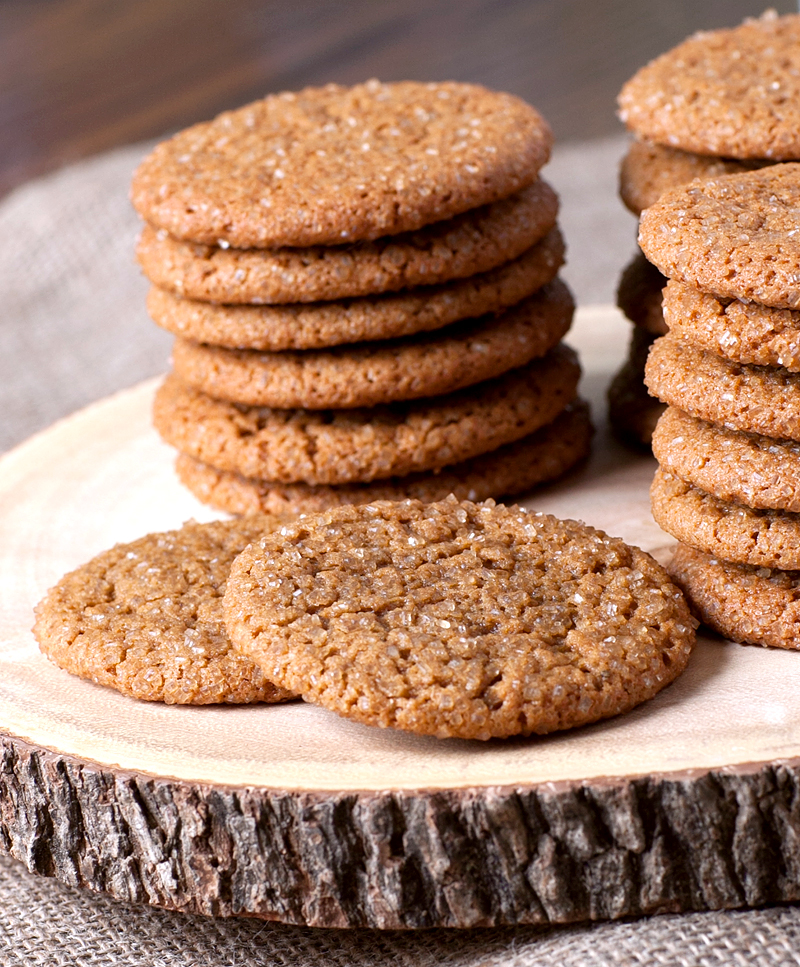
{"x":732,"y":93}
{"x":458,"y":619}
{"x":330,"y":164}
{"x":146,"y":618}
{"x":736,"y":236}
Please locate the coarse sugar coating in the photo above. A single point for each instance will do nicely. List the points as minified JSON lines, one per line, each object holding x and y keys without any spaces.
{"x":317,"y":325}
{"x":745,"y":332}
{"x":649,"y":169}
{"x":512,"y":469}
{"x":732,"y":92}
{"x":381,"y":372}
{"x":756,"y":399}
{"x":736,"y":236}
{"x":146,"y":618}
{"x":734,"y":532}
{"x":359,"y":445}
{"x":332,"y":164}
{"x":476,"y":241}
{"x":639,"y":295}
{"x":751,"y":605}
{"x":745,"y":468}
{"x":458,"y":619}
{"x":632,"y":412}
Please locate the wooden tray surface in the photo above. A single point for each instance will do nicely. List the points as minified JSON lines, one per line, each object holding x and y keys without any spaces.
{"x":291,"y":813}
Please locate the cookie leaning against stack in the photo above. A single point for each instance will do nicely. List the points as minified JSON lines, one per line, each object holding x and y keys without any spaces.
{"x":362,"y":284}
{"x":729,"y":443}
{"x":722,"y":102}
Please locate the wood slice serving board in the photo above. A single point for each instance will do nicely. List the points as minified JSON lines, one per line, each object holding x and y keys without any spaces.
{"x":692,"y":801}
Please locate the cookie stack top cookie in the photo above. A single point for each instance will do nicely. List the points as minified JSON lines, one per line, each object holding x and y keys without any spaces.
{"x":349,"y":272}
{"x":333,"y":164}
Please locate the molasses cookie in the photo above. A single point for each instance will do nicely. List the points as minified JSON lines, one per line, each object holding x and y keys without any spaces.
{"x":632,"y":412}
{"x":332,"y":164}
{"x":764,"y":538}
{"x":319,"y":325}
{"x":381,"y":372}
{"x":639,"y":295}
{"x":457,"y":619}
{"x":477,"y":241}
{"x":736,"y":236}
{"x":745,"y":332}
{"x":741,"y":467}
{"x":757,"y":399}
{"x":733,"y":93}
{"x":347,"y":446}
{"x":648,"y":170}
{"x":512,"y":469}
{"x":146,"y":618}
{"x":752,"y":605}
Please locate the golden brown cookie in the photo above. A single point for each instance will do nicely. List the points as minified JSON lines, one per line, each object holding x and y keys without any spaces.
{"x":741,"y":331}
{"x":741,"y":467}
{"x":736,"y":236}
{"x":733,"y":93}
{"x":332,"y":164}
{"x":751,"y":605}
{"x":632,"y":412}
{"x":756,"y":399}
{"x":146,"y":618}
{"x":321,"y":324}
{"x":475,"y":242}
{"x":457,"y":619}
{"x":639,"y":295}
{"x":381,"y":372}
{"x":764,"y":538}
{"x":512,"y":469}
{"x":649,"y":169}
{"x":347,"y":446}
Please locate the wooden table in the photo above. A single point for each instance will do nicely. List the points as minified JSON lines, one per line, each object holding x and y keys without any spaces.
{"x":80,"y":76}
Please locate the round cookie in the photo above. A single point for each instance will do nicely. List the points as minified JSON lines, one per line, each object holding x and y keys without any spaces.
{"x":146,"y":618}
{"x":632,"y":412}
{"x":735,"y":236}
{"x":512,"y":469}
{"x":332,"y":164}
{"x":366,"y":375}
{"x":741,"y":331}
{"x":639,"y":295}
{"x":741,"y":467}
{"x":733,"y":93}
{"x":764,"y":538}
{"x":457,"y":619}
{"x":322,"y":324}
{"x":751,"y":605}
{"x":756,"y":399}
{"x":648,"y":170}
{"x":347,"y":446}
{"x":475,"y":242}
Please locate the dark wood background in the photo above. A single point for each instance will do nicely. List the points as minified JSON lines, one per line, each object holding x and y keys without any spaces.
{"x":80,"y":76}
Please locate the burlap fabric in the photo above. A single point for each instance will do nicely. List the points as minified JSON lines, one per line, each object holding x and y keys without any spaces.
{"x":74,"y":329}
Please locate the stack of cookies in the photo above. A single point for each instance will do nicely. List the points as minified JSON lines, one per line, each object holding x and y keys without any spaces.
{"x":720,"y":103}
{"x":362,"y":283}
{"x":728,"y":444}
